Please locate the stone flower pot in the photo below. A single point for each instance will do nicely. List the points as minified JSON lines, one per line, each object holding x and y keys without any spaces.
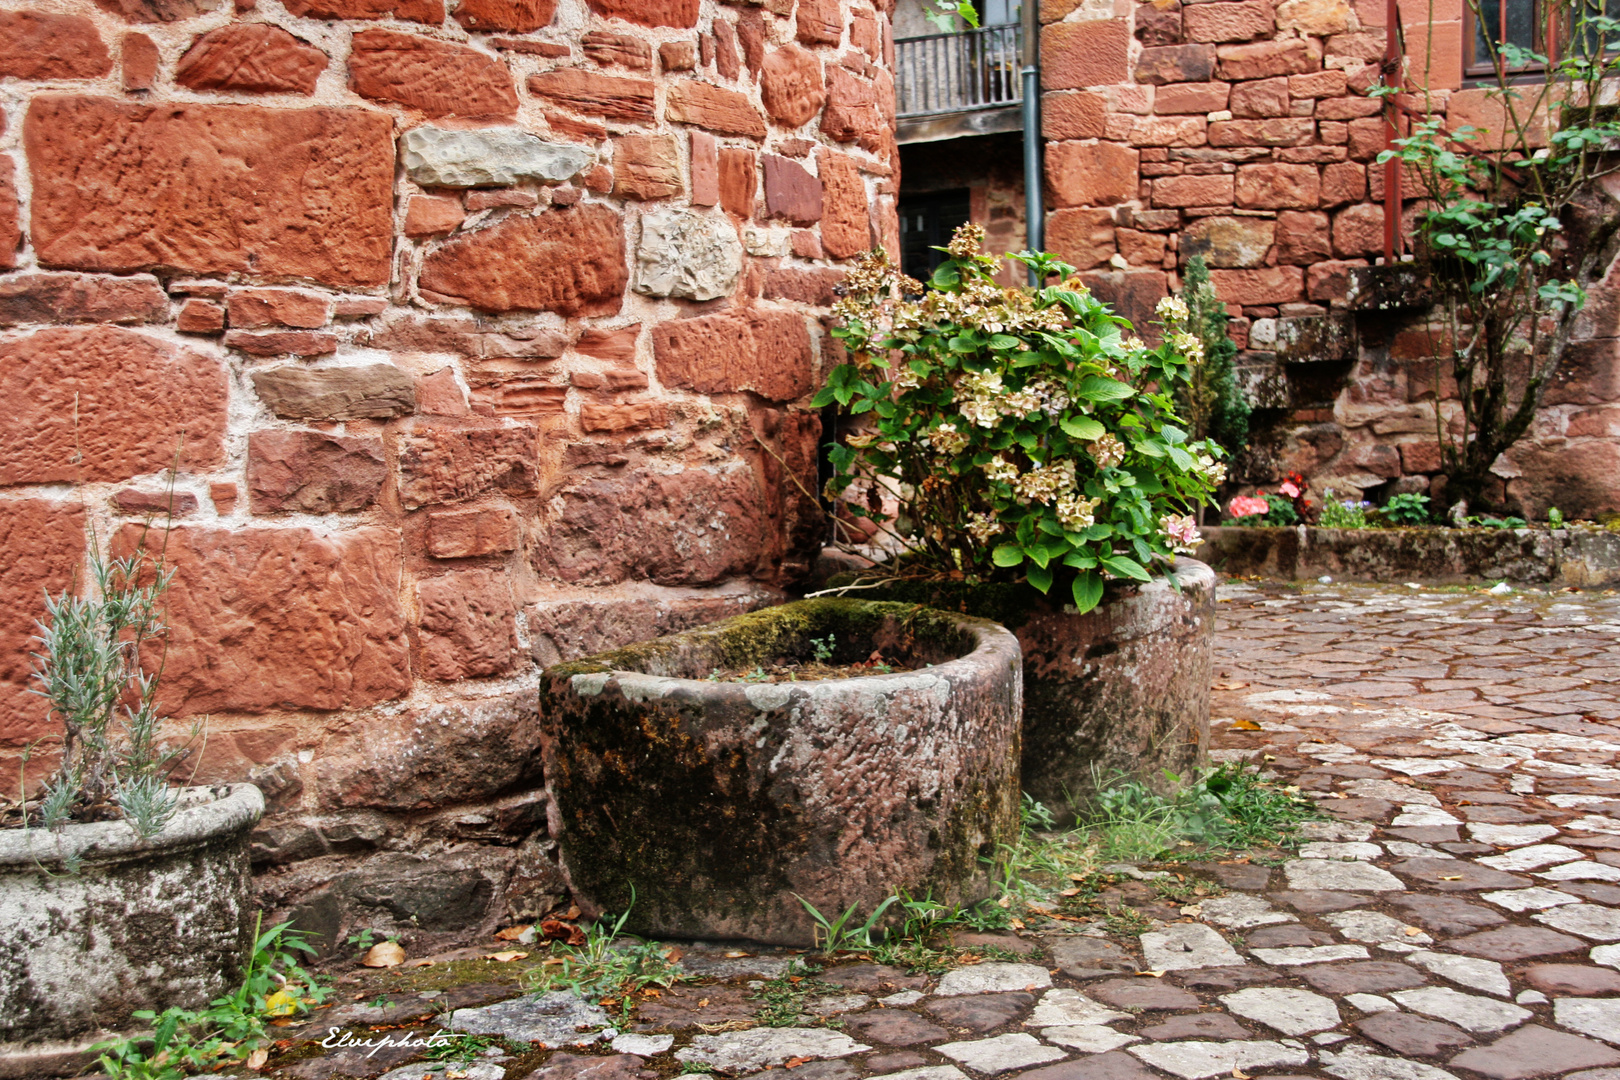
{"x":1123,"y":688}
{"x":717,"y":800}
{"x":136,"y":924}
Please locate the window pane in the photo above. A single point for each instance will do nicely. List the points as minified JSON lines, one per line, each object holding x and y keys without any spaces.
{"x":997,"y":12}
{"x":1587,"y":37}
{"x":1519,"y":17}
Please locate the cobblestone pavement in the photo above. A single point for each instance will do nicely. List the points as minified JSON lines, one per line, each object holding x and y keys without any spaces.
{"x":1457,"y":914}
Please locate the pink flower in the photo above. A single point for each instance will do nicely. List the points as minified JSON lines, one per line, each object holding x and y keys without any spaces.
{"x":1289,"y":490}
{"x":1182,"y":532}
{"x":1247,"y":506}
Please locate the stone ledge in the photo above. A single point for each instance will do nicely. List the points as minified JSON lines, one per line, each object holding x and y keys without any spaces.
{"x":1581,"y":557}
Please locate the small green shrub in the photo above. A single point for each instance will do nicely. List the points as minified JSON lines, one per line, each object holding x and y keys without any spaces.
{"x":1406,"y":508}
{"x":1345,"y":514}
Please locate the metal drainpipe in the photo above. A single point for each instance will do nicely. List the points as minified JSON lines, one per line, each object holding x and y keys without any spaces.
{"x":1034,"y":203}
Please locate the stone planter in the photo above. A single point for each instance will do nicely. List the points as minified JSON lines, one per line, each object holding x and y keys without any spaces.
{"x":1123,"y":688}
{"x":1585,"y":557}
{"x":138,"y":924}
{"x":719,"y":800}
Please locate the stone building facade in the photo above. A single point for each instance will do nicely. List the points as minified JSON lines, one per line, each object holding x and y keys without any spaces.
{"x":481,"y":336}
{"x":1241,"y":130}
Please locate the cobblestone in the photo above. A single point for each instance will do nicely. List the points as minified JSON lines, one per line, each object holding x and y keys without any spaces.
{"x":1456,"y":916}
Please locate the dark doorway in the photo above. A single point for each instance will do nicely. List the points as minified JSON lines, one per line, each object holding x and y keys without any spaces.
{"x":927,"y":221}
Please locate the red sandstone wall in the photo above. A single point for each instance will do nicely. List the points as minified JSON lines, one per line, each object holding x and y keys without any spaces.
{"x":489,"y":332}
{"x":1240,"y":130}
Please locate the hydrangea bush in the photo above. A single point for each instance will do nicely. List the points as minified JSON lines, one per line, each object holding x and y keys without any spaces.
{"x":1022,"y":434}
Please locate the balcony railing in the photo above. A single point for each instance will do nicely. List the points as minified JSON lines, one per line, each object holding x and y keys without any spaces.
{"x":959,"y":72}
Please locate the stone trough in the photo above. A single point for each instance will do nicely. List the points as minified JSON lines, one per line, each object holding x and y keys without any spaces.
{"x":720,"y":800}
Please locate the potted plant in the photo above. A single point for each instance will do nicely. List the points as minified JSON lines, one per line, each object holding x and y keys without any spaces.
{"x":1021,"y":459}
{"x":811,"y":757}
{"x":118,"y":889}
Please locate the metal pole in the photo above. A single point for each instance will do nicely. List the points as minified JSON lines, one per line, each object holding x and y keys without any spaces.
{"x":1392,"y":167}
{"x":1034,"y":203}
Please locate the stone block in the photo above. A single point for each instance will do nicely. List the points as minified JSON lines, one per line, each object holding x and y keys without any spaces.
{"x":1228,"y":22}
{"x":647,"y":167}
{"x":1159,"y":26}
{"x":1343,"y":182}
{"x":619,"y":416}
{"x":1077,"y":55}
{"x":1358,"y":230}
{"x":282,"y":342}
{"x":10,"y":226}
{"x":466,"y":626}
{"x":571,"y":261}
{"x":463,"y":534}
{"x":374,"y":391}
{"x":1303,"y":237}
{"x":1084,"y":238}
{"x":1346,"y":108}
{"x":1282,"y":131}
{"x":212,"y":189}
{"x":1322,"y":84}
{"x":682,"y":14}
{"x":420,"y":758}
{"x":597,"y":95}
{"x":1229,"y":243}
{"x":139,"y":55}
{"x":1315,"y":18}
{"x":313,"y":472}
{"x":1421,"y":457}
{"x":705,"y":158}
{"x":1260,"y":98}
{"x":687,"y":254}
{"x":44,"y":544}
{"x":280,"y":618}
{"x":1140,"y":248}
{"x":1205,"y":97}
{"x":1269,"y":285}
{"x":1434,"y":53}
{"x":76,"y":298}
{"x":432,"y":215}
{"x":819,"y":22}
{"x":1094,"y":174}
{"x":1214,"y":190}
{"x":845,"y":223}
{"x":792,"y":193}
{"x":656,"y":526}
{"x":1168,"y":131}
{"x":442,"y":461}
{"x":1132,"y":293}
{"x":855,"y":111}
{"x":763,"y":351}
{"x":42,"y":45}
{"x":255,"y":58}
{"x":200,"y":317}
{"x":714,"y":108}
{"x":1331,"y":282}
{"x":1176,"y":64}
{"x":1277,"y":187}
{"x":255,"y":309}
{"x":625,"y":50}
{"x":791,"y":86}
{"x":434,"y":77}
{"x":423,"y":11}
{"x":515,"y":16}
{"x":442,"y":158}
{"x":134,"y":393}
{"x":1073,"y":116}
{"x":677,"y":56}
{"x":1265,"y":59}
{"x":1366,"y":138}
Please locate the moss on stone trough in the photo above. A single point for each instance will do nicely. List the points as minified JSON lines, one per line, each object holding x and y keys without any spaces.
{"x":718,"y":800}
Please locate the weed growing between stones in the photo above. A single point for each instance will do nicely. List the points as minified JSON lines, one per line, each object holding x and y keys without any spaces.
{"x":232,"y":1029}
{"x":1226,"y":807}
{"x":606,"y":968}
{"x":784,"y":998}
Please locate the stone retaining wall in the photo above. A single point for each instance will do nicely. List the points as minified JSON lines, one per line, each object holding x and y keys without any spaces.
{"x":482,"y":338}
{"x":1585,"y":558}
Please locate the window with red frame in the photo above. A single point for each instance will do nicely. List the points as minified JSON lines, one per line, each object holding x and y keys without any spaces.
{"x":1525,"y":23}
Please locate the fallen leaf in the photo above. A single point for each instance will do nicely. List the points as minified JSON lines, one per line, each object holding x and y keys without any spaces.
{"x":703,"y":1004}
{"x":1245,"y":725}
{"x":735,"y":954}
{"x":795,"y":1062}
{"x":1077,"y":877}
{"x":1451,"y":877}
{"x":1016,"y":924}
{"x":384,"y":954}
{"x":651,"y":992}
{"x":505,"y":957}
{"x":281,"y":1003}
{"x":1065,"y":918}
{"x":1192,"y":909}
{"x":572,"y":913}
{"x":1070,"y":892}
{"x":1411,"y":931}
{"x":1230,"y":685}
{"x":1239,"y":1074}
{"x":455,"y":1074}
{"x":257,"y":1059}
{"x":557,"y":930}
{"x":512,"y":933}
{"x":1152,"y":974}
{"x":419,"y":964}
